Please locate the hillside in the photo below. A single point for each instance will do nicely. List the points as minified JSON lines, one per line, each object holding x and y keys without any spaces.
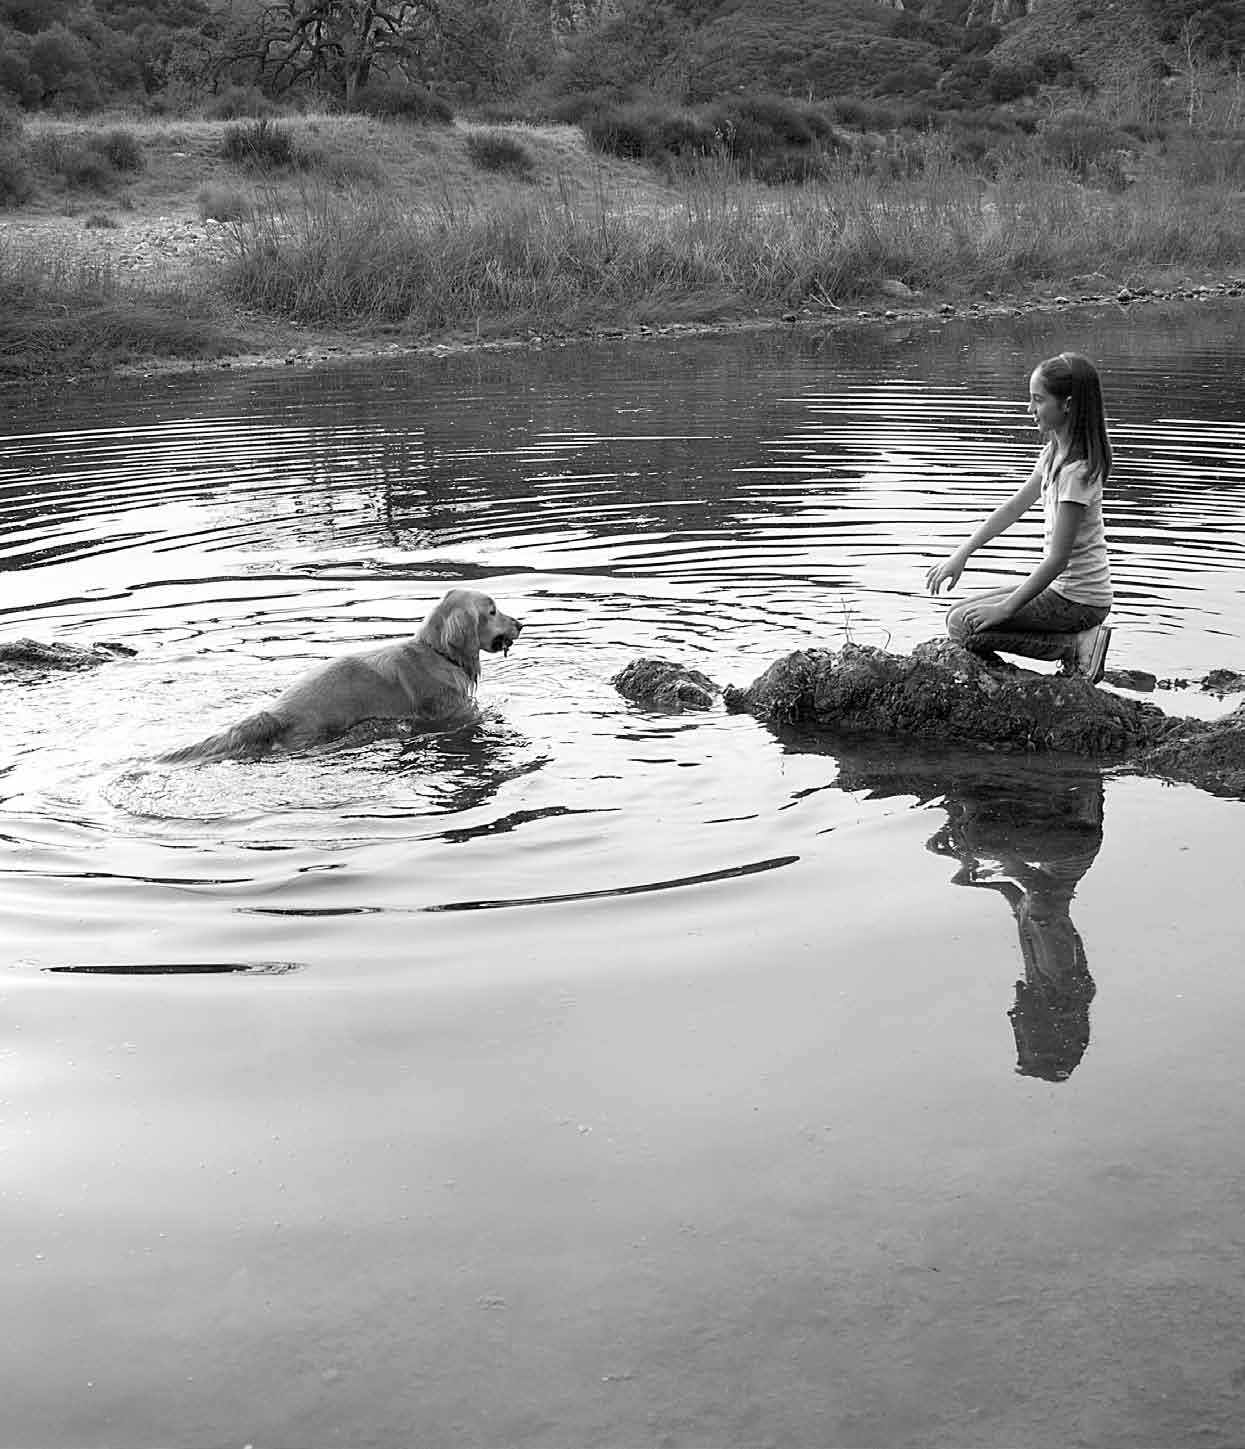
{"x":1101,"y":40}
{"x":179,"y":56}
{"x":806,"y":47}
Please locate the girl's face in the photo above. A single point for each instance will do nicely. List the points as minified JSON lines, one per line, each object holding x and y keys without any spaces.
{"x":1047,"y":411}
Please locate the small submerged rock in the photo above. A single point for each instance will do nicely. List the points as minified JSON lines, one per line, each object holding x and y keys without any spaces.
{"x":659,"y":684}
{"x":1140,"y":681}
{"x":19,"y":655}
{"x":1223,"y":681}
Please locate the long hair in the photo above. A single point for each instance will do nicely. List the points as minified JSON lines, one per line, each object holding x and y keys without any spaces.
{"x":1073,"y":378}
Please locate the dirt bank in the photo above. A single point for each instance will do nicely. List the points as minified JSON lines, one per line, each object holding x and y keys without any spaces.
{"x":148,"y":242}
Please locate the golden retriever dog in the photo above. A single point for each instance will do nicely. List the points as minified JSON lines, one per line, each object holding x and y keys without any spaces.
{"x":429,"y":678}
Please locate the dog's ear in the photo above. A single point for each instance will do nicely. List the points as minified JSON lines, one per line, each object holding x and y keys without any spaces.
{"x":458,"y":634}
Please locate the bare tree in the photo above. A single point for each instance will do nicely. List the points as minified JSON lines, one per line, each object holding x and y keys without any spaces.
{"x":333,"y":45}
{"x":1191,"y":64}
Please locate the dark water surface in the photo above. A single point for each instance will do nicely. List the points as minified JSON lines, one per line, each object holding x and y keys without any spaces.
{"x":589,"y":1076}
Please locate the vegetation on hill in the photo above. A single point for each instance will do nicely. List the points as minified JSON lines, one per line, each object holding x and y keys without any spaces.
{"x":534,"y":55}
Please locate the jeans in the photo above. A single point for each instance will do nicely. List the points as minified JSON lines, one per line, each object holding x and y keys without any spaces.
{"x":1042,"y":629}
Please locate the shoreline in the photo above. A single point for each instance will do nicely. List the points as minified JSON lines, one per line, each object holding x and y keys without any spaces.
{"x":280,"y":344}
{"x":393,"y":242}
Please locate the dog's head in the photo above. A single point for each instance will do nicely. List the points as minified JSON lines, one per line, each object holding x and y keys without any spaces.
{"x":465,"y":623}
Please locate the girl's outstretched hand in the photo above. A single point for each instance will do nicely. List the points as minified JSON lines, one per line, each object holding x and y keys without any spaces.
{"x":947,"y":572}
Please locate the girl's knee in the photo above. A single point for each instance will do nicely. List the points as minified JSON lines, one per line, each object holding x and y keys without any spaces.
{"x":957,"y":630}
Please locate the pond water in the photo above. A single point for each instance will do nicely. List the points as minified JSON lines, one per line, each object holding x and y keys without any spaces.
{"x":591,"y":1076}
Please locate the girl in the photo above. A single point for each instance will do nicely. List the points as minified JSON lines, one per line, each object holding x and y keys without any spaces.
{"x":1058,"y":611}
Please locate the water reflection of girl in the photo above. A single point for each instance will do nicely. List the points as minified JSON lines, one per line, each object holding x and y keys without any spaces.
{"x":1032,"y":844}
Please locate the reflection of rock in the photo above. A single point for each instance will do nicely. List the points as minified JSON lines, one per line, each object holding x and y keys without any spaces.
{"x":940,"y":694}
{"x":30,"y":654}
{"x":659,"y":684}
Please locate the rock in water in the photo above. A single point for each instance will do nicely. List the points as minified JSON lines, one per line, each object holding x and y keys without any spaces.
{"x":32,"y":655}
{"x":659,"y":684}
{"x":941,"y":692}
{"x":942,"y":695}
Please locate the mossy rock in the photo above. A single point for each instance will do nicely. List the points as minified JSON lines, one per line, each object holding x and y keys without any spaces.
{"x":942,"y":693}
{"x":19,"y":656}
{"x":659,"y":684}
{"x":940,"y":696}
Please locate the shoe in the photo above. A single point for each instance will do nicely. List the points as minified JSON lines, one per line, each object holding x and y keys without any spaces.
{"x":1091,"y":652}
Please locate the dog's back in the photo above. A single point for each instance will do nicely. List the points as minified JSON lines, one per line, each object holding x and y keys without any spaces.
{"x":247,"y":740}
{"x":425,"y":679}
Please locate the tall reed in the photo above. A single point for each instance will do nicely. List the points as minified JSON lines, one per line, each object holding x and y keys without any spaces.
{"x":61,"y":310}
{"x":549,"y":261}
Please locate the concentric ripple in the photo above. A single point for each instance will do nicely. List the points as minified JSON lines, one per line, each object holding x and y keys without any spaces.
{"x":719,"y":501}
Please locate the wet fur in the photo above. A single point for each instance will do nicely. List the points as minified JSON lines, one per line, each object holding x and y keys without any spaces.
{"x":431,"y":677}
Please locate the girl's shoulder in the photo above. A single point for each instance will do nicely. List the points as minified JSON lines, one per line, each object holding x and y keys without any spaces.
{"x":1073,"y":481}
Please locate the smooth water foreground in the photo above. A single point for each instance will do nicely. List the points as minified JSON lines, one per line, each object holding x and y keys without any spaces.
{"x":591,"y":1076}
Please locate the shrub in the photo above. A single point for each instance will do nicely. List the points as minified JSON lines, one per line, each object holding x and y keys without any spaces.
{"x":686,"y":133}
{"x":502,"y":113}
{"x":261,"y":144}
{"x":17,"y":80}
{"x":775,"y":139}
{"x":1010,"y":82}
{"x":62,"y":63}
{"x":239,"y":101}
{"x":342,"y":167}
{"x":495,"y":151}
{"x":760,"y":123}
{"x":1055,"y":67}
{"x":772,"y":138}
{"x":909,"y":80}
{"x":574,"y":110}
{"x":627,"y":132}
{"x":1077,"y":140}
{"x":83,"y":165}
{"x":645,"y":132}
{"x":11,"y":124}
{"x":864,"y":115}
{"x":91,"y":162}
{"x":121,"y":149}
{"x":16,"y":185}
{"x":402,"y":103}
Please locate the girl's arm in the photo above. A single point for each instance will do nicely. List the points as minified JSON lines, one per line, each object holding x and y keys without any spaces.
{"x":1068,"y":518}
{"x":1001,"y":519}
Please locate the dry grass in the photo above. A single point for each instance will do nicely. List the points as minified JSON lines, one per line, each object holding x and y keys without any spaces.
{"x":555,"y":261}
{"x":396,"y":226}
{"x":418,"y":165}
{"x":63,"y":312}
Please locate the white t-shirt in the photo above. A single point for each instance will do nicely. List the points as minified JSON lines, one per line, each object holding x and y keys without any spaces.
{"x":1087,"y":578}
